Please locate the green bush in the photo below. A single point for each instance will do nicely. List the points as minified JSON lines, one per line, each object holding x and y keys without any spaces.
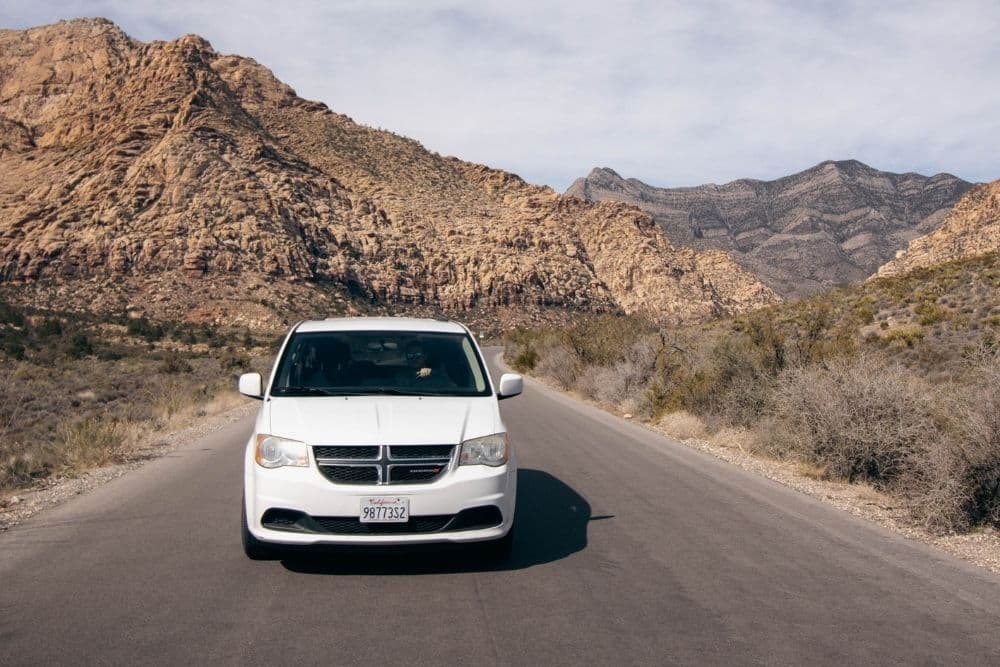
{"x":50,"y":327}
{"x":143,"y":328}
{"x":929,"y":313}
{"x":604,"y":340}
{"x":234,"y":361}
{"x":80,"y":346}
{"x":173,"y":363}
{"x":908,"y":337}
{"x":11,"y":315}
{"x":519,"y":349}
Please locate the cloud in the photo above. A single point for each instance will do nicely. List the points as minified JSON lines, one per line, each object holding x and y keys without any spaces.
{"x":674,"y":93}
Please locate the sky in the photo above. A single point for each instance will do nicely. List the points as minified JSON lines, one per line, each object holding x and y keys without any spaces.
{"x":672,"y":93}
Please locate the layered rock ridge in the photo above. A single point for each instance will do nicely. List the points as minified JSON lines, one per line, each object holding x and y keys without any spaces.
{"x":830,"y":225}
{"x":971,"y":229}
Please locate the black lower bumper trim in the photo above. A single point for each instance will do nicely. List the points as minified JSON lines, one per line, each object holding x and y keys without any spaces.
{"x":293,"y":521}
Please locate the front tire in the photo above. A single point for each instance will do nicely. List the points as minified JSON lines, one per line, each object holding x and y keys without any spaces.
{"x":254,"y":549}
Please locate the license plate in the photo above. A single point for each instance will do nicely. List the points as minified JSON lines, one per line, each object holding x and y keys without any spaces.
{"x":385,"y":509}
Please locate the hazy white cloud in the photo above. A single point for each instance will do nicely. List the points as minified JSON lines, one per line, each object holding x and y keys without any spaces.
{"x":674,"y":93}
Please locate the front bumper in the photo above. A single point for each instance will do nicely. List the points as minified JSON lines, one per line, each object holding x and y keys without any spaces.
{"x":305,"y":490}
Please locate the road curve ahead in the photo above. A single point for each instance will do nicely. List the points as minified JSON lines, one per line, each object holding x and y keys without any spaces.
{"x":630,"y":549}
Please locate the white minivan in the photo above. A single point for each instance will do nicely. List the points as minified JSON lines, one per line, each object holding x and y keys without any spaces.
{"x":378,"y":431}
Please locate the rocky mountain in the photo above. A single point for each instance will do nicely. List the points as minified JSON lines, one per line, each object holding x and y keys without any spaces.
{"x":833,"y":224}
{"x":166,"y":177}
{"x":971,"y":229}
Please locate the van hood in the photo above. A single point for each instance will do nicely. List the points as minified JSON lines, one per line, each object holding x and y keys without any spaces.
{"x":382,"y":420}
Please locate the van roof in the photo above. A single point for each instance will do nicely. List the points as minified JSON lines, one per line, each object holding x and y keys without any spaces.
{"x":381,"y":324}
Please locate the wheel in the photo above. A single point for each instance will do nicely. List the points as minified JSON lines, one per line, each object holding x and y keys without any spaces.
{"x":501,"y":549}
{"x":252,"y":547}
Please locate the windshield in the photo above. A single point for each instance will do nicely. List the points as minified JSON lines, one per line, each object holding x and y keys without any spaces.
{"x":400,"y":363}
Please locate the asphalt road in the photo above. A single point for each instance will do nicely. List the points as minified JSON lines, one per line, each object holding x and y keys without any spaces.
{"x":629,"y":549}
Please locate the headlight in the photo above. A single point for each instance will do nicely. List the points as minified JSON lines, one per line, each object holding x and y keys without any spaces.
{"x":275,"y":452}
{"x":490,"y":450}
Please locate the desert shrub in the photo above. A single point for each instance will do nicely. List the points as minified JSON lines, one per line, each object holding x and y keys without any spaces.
{"x":174,"y":397}
{"x":50,"y":327}
{"x":234,"y":361}
{"x":174,"y":363}
{"x":79,"y":346}
{"x":91,"y":441}
{"x":729,"y":378}
{"x":556,"y":361}
{"x":14,"y":394}
{"x":622,"y":383}
{"x":11,"y":315}
{"x":929,"y":313}
{"x":22,"y":463}
{"x":519,"y":349}
{"x":907,"y":337}
{"x":19,"y":463}
{"x":13,"y":347}
{"x":605,"y":340}
{"x":864,"y":311}
{"x":863,"y":418}
{"x":957,"y":485}
{"x":145,"y":329}
{"x":810,"y":329}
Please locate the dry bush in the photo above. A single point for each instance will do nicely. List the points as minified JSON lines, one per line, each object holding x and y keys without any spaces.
{"x":958,"y":485}
{"x":606,"y":339}
{"x":19,"y":463}
{"x":624,"y":382}
{"x":863,"y":418}
{"x":13,"y":395}
{"x":735,"y":437}
{"x":683,"y":425}
{"x":557,"y":362}
{"x":178,"y":401}
{"x":94,"y":441}
{"x":727,"y":380}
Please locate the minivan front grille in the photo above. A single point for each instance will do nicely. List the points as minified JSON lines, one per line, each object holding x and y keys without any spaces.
{"x":383,"y":464}
{"x":421,"y":452}
{"x":350,"y":474}
{"x":348,"y":452}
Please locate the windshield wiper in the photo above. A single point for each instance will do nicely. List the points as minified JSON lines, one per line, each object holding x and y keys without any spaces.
{"x":392,"y":391}
{"x":302,"y":391}
{"x":365,"y":391}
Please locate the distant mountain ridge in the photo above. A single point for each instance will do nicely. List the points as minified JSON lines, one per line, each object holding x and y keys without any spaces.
{"x":832,"y":224}
{"x":166,"y":176}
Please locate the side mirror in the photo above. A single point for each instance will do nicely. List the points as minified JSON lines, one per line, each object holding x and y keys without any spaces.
{"x":511,"y":384}
{"x":252,"y":385}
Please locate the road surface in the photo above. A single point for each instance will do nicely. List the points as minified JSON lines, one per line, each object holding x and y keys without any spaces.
{"x":630,"y":549}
